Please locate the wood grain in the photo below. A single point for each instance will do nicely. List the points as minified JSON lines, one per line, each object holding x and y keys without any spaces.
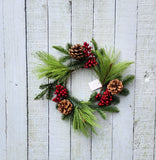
{"x":15,"y":71}
{"x":125,"y":41}
{"x":145,"y":82}
{"x":82,"y":21}
{"x":104,"y":20}
{"x":38,"y":110}
{"x":59,"y":34}
{"x":2,"y":90}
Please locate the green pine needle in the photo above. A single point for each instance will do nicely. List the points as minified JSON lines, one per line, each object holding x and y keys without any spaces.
{"x":126,"y":80}
{"x":108,"y":68}
{"x":64,"y":59}
{"x":39,"y":96}
{"x":84,"y":119}
{"x":61,"y":49}
{"x":92,"y":97}
{"x":75,"y":65}
{"x":124,"y":92}
{"x":94,"y":44}
{"x":116,"y":100}
{"x":51,"y":68}
{"x":102,"y":114}
{"x":110,"y":109}
{"x":68,"y":46}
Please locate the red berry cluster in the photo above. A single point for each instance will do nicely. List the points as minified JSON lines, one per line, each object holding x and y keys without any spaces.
{"x":91,"y":58}
{"x":91,"y":62}
{"x":87,"y":49}
{"x":105,"y":99}
{"x":98,"y":97}
{"x":60,"y":92}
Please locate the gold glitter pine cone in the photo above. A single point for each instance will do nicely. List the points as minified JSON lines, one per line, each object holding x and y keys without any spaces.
{"x":115,"y":86}
{"x":76,"y":52}
{"x":65,"y":106}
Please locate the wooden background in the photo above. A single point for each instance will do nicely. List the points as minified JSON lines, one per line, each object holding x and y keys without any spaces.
{"x":33,"y":130}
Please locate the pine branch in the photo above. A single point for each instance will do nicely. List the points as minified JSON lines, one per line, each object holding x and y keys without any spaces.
{"x":92,"y":97}
{"x":75,"y":102}
{"x":74,"y":65}
{"x":68,"y":46}
{"x":50,"y":93}
{"x":61,"y":49}
{"x":116,"y":100}
{"x":110,"y":109}
{"x":48,"y":90}
{"x":84,"y":119}
{"x":124,"y":92}
{"x":43,"y":86}
{"x":94,"y":44}
{"x":126,"y":80}
{"x":64,"y":59}
{"x":69,"y":116}
{"x":51,"y":67}
{"x":40,"y":95}
{"x":102,"y":114}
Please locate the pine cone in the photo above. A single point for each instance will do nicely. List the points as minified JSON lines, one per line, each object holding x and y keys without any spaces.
{"x":76,"y":52}
{"x":65,"y":106}
{"x":115,"y":86}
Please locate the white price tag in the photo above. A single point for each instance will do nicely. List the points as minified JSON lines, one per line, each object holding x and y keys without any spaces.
{"x":94,"y":85}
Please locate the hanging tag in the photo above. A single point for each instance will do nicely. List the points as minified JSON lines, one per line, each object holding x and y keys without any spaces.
{"x":94,"y":85}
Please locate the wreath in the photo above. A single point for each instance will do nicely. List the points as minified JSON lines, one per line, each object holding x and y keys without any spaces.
{"x":109,"y":71}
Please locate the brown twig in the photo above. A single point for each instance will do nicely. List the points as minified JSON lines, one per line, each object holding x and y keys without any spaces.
{"x":105,"y":77}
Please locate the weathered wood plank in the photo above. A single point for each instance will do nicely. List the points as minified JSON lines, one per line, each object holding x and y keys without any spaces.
{"x":104,"y":35}
{"x":82,"y":24}
{"x":15,"y":70}
{"x":145,"y":81}
{"x":59,"y":34}
{"x":38,"y":110}
{"x":2,"y":90}
{"x":125,"y":41}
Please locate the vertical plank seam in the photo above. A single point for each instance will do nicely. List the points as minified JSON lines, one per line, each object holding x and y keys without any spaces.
{"x":26,"y":54}
{"x":115,"y":14}
{"x":70,"y":3}
{"x":4,"y":80}
{"x":92,"y":78}
{"x":48,"y":79}
{"x":154,"y":133}
{"x":135,"y":81}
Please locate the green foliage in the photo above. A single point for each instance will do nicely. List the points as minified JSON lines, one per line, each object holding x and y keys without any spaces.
{"x":94,"y":44}
{"x":74,"y":65}
{"x":68,"y":46}
{"x":124,"y":92}
{"x":51,"y":68}
{"x":126,"y":80}
{"x":116,"y":100}
{"x":92,"y":97}
{"x":102,"y":114}
{"x":84,"y":119}
{"x":108,"y":68}
{"x":110,"y":109}
{"x":48,"y":89}
{"x":61,"y":49}
{"x":105,"y":61}
{"x":82,"y":116}
{"x":39,"y":96}
{"x":69,"y":116}
{"x":117,"y":70}
{"x":64,"y":59}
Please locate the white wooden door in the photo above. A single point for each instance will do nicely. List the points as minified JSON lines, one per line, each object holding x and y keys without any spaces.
{"x":33,"y":130}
